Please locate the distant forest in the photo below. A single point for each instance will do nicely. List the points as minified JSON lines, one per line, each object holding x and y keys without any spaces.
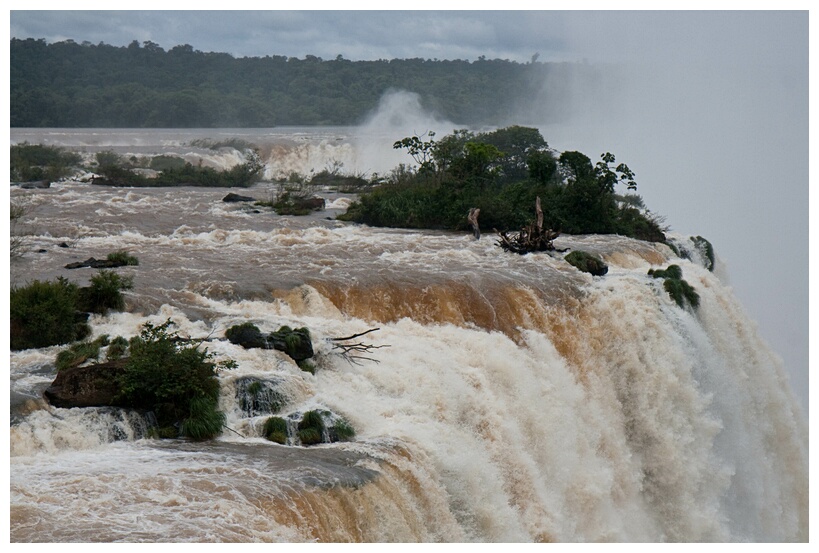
{"x":67,"y":84}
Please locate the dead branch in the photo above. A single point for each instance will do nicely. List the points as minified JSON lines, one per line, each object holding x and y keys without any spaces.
{"x":349,"y":351}
{"x":473,"y":220}
{"x":531,"y":238}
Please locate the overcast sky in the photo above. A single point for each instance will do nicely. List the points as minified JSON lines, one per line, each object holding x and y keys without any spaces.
{"x":710,"y":109}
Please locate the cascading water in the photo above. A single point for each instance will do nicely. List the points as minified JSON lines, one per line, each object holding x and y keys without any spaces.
{"x":518,"y":400}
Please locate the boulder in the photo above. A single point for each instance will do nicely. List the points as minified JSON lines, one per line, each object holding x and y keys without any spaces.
{"x":35,"y":184}
{"x":315,"y":203}
{"x":247,"y":335}
{"x":237,"y":198}
{"x":91,"y":386}
{"x":295,"y":343}
{"x":587,"y":263}
{"x":96,"y":264}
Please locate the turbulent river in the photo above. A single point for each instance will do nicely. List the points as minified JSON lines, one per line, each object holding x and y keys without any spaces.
{"x":518,"y":399}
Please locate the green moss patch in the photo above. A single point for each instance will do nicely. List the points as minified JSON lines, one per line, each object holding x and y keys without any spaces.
{"x":679,"y":290}
{"x":587,"y":263}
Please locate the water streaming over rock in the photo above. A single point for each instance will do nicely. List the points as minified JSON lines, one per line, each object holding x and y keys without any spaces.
{"x":518,"y":400}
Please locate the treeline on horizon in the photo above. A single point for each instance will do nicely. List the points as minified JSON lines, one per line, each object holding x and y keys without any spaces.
{"x":67,"y":84}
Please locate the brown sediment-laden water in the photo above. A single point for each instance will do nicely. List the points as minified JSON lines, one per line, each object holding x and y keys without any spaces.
{"x":518,"y":399}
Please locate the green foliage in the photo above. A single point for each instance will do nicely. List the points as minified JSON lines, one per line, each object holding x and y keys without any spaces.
{"x":672,"y":271}
{"x":502,"y":172}
{"x":341,"y":431}
{"x":31,"y":162}
{"x":706,"y":251}
{"x":105,"y":292}
{"x":587,"y":263}
{"x":122,"y":257}
{"x":108,"y":158}
{"x":247,"y":335}
{"x":679,"y":290}
{"x":343,"y":183}
{"x":275,"y":430}
{"x":235,"y":143}
{"x":176,"y":380}
{"x":306,"y":366}
{"x":79,"y":353}
{"x":174,"y":174}
{"x":292,"y":203}
{"x":117,"y":349}
{"x":45,"y":314}
{"x":67,"y":84}
{"x":257,"y":397}
{"x":204,"y":420}
{"x":311,"y":428}
{"x":166,"y":163}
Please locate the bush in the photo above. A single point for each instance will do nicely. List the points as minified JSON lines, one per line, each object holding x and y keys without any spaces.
{"x":166,"y":163}
{"x":176,"y":381}
{"x":29,"y":162}
{"x":116,"y":349}
{"x":79,"y":353}
{"x":311,"y":428}
{"x":341,"y":431}
{"x":45,"y":314}
{"x":204,"y":420}
{"x":275,"y":430}
{"x":587,"y":263}
{"x":105,"y":292}
{"x":123,"y":258}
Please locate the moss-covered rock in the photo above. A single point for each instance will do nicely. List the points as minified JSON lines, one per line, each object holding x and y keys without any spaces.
{"x":246,"y":335}
{"x":311,"y":428}
{"x":679,"y":290}
{"x":295,"y":343}
{"x":587,"y":263}
{"x":258,"y":397}
{"x":706,"y":251}
{"x":275,"y":430}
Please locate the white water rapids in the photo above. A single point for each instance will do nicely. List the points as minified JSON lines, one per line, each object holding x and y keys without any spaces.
{"x":519,"y":399}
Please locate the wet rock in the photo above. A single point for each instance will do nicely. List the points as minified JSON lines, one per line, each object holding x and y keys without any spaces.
{"x":295,"y":343}
{"x":91,"y":386}
{"x":587,"y":263}
{"x":237,"y":198}
{"x":35,"y":184}
{"x":96,"y":264}
{"x":247,"y":335}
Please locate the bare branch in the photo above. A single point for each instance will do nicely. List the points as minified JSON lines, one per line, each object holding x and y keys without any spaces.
{"x":348,"y":351}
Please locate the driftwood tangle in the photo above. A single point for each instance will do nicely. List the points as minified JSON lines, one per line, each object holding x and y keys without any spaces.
{"x":531,"y":238}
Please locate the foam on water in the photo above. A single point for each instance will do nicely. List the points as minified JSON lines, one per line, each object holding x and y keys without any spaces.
{"x":517,"y":400}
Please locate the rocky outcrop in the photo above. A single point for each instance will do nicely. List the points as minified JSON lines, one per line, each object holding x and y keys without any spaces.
{"x":32,"y":185}
{"x":90,"y":386}
{"x":295,"y":343}
{"x":587,"y":263}
{"x":230,"y":198}
{"x":97,"y":264}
